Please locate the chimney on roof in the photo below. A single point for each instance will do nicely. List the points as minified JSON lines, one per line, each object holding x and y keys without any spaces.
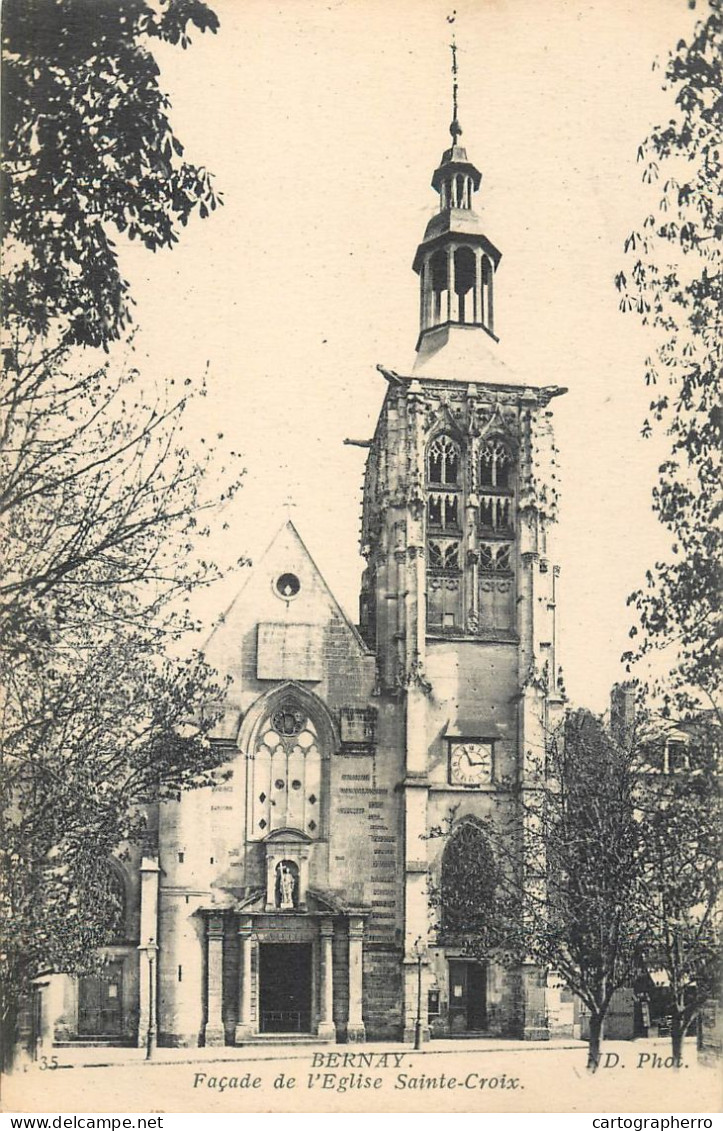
{"x":622,"y":712}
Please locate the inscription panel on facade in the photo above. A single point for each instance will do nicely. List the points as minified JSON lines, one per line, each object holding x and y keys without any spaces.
{"x":289,"y":651}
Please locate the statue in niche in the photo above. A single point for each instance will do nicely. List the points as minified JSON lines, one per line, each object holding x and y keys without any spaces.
{"x":286,"y":886}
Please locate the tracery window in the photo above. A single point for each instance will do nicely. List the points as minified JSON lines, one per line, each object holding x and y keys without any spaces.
{"x":496,"y":556}
{"x":495,"y":465}
{"x":443,"y":555}
{"x":287,"y":773}
{"x":445,"y":509}
{"x":443,"y":463}
{"x":468,"y":882}
{"x":108,"y":896}
{"x":496,"y":527}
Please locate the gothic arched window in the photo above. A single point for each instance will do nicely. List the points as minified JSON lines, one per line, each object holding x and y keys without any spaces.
{"x":496,"y":529}
{"x":445,"y":512}
{"x":111,"y":897}
{"x":443,"y":462}
{"x":496,"y":464}
{"x":286,"y":775}
{"x":468,"y":882}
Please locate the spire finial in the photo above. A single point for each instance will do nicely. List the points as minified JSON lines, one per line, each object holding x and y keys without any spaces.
{"x":455,"y":129}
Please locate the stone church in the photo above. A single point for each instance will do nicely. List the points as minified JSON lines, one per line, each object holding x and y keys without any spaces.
{"x":292,"y":899}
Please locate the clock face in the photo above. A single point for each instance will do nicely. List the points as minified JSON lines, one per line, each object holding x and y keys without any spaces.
{"x":470,"y":763}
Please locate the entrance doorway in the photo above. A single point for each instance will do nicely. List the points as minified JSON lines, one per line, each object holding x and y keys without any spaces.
{"x":467,"y":997}
{"x":100,"y":999}
{"x":285,"y":987}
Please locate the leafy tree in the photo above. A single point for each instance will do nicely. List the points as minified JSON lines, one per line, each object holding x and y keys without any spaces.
{"x":103,"y":507}
{"x":103,"y":515}
{"x":564,"y":887}
{"x":675,"y":283}
{"x":578,"y":889}
{"x":91,"y":740}
{"x":679,"y":869}
{"x":88,"y":149}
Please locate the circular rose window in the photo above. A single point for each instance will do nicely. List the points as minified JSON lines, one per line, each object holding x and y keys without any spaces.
{"x":287,"y":586}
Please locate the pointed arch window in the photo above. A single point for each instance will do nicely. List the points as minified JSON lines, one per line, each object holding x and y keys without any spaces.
{"x":468,"y":883}
{"x":496,"y":519}
{"x":445,"y":512}
{"x":443,"y":462}
{"x":108,"y":893}
{"x":286,"y":773}
{"x":496,"y":465}
{"x":496,"y":479}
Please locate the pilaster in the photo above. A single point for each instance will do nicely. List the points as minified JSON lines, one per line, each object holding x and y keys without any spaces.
{"x":326,"y":1028}
{"x":214,"y":1030}
{"x":355,"y":1031}
{"x":245,"y":1026}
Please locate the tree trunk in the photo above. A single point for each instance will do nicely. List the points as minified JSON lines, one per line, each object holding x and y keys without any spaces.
{"x":8,"y":1037}
{"x":677,"y":1033}
{"x":594,"y":1041}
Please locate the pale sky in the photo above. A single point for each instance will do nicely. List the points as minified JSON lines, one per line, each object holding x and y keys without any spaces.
{"x":323,"y":123}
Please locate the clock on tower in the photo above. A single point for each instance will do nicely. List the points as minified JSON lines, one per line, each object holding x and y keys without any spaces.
{"x":470,"y":762}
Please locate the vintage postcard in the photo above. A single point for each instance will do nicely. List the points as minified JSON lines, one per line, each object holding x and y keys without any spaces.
{"x":372,"y":432}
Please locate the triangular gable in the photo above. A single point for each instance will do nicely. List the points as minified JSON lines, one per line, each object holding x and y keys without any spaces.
{"x":261,"y":575}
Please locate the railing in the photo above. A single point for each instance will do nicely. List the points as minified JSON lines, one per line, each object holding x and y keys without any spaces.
{"x":285,"y":1021}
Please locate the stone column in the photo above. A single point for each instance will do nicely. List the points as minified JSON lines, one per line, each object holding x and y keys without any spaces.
{"x":245,"y":1026}
{"x":214,"y":1031}
{"x":355,"y":1025}
{"x":452,"y":313}
{"x":490,"y":300}
{"x":326,"y":981}
{"x":479,"y":315}
{"x":148,"y":952}
{"x":423,"y":292}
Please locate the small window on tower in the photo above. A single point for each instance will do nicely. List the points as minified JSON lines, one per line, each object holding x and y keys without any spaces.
{"x":443,"y":462}
{"x":495,"y":465}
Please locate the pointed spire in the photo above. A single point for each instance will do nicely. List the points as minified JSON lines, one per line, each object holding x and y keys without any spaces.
{"x":455,"y":129}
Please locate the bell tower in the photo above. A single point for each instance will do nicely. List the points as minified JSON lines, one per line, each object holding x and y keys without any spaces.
{"x":459,"y":596}
{"x":456,"y":261}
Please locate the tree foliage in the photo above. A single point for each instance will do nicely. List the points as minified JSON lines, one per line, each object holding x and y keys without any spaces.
{"x":576,"y":875}
{"x":565,"y":875}
{"x":678,"y":867}
{"x":103,"y":505}
{"x":88,"y":151}
{"x":674,"y":281}
{"x":104,"y":512}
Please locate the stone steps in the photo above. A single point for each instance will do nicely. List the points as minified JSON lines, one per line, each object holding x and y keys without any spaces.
{"x":287,"y":1039}
{"x":96,"y":1043}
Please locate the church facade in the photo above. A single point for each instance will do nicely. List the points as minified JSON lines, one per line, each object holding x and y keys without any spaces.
{"x":294,"y":899}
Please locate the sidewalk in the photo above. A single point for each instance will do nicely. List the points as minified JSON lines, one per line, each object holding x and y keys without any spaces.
{"x":112,"y":1057}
